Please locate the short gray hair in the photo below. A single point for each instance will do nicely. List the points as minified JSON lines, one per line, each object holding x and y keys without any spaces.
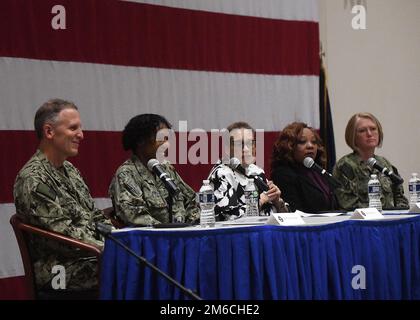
{"x":48,"y":112}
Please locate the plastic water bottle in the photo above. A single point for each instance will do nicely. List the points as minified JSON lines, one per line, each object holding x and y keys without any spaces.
{"x":414,"y":189}
{"x":206,"y":202}
{"x":374,"y":193}
{"x":251,"y":199}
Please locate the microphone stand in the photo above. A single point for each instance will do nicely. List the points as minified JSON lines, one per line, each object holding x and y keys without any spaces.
{"x":105,"y":230}
{"x":170,"y":200}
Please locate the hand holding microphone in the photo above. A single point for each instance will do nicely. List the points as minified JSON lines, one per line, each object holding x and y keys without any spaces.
{"x":235,"y":165}
{"x":269,"y":192}
{"x":273,"y":192}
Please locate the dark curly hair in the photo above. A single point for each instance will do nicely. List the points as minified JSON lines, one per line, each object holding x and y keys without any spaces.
{"x":141,"y":129}
{"x":285,"y":145}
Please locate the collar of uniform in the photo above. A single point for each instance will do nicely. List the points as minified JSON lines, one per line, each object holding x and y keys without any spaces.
{"x":154,"y":182}
{"x":362,"y":164}
{"x":40,"y":155}
{"x":139,"y":165}
{"x":357,"y":158}
{"x":43,"y":158}
{"x":54,"y":172}
{"x":145,"y":172}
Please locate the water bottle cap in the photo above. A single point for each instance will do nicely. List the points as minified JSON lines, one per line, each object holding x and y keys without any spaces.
{"x":373,"y":176}
{"x":206,"y":181}
{"x":414,"y":174}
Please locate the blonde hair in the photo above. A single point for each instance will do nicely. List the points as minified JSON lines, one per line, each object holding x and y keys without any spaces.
{"x":350,"y":134}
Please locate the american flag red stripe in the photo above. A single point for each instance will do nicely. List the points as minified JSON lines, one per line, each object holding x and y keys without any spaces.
{"x":135,"y":34}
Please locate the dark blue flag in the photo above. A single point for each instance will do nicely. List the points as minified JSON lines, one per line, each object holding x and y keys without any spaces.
{"x":326,"y":125}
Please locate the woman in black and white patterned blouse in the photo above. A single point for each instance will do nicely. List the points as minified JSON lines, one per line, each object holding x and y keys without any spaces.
{"x":229,"y":184}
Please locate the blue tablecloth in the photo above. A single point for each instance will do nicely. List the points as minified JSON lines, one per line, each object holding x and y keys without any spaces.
{"x":269,"y":262}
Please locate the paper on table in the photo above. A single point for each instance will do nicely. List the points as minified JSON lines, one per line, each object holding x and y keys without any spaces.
{"x":247,"y":220}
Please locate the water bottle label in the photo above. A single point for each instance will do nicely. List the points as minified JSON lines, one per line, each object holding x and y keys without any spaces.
{"x":415,"y":187}
{"x":374,"y":189}
{"x":252,"y":194}
{"x":205,"y":198}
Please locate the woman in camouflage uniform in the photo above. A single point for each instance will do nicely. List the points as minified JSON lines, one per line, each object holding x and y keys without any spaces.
{"x":138,"y":196}
{"x":363,"y":135}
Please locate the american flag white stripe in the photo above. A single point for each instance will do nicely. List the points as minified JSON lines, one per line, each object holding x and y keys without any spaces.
{"x":300,"y":10}
{"x":108,"y":96}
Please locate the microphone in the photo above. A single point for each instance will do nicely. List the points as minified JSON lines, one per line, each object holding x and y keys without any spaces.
{"x":309,"y":163}
{"x":261,"y":184}
{"x":154,"y":166}
{"x":374,"y":164}
{"x":235,"y":164}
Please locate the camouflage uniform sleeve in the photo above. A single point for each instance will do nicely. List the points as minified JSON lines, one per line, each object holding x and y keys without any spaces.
{"x":45,"y":210}
{"x":347,"y":195}
{"x":189,"y":197}
{"x":99,"y":216}
{"x":128,"y":200}
{"x":400,"y":199}
{"x":96,"y":215}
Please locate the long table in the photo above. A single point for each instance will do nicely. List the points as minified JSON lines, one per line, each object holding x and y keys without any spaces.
{"x":347,"y":259}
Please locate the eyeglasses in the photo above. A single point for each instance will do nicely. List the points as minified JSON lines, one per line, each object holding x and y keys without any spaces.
{"x":241,"y":144}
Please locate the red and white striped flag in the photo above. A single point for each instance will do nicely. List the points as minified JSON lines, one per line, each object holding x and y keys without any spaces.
{"x":207,"y":62}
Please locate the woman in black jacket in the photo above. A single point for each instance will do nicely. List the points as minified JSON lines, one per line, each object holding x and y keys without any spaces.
{"x":304,"y":189}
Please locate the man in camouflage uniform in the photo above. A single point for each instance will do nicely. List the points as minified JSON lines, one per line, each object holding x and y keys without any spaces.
{"x":49,"y":192}
{"x":138,"y":196}
{"x":354,"y":174}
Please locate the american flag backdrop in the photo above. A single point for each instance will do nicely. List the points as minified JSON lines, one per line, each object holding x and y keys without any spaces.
{"x":207,"y":62}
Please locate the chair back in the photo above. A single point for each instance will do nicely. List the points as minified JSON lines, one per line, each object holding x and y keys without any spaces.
{"x":19,"y":228}
{"x":23,"y":230}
